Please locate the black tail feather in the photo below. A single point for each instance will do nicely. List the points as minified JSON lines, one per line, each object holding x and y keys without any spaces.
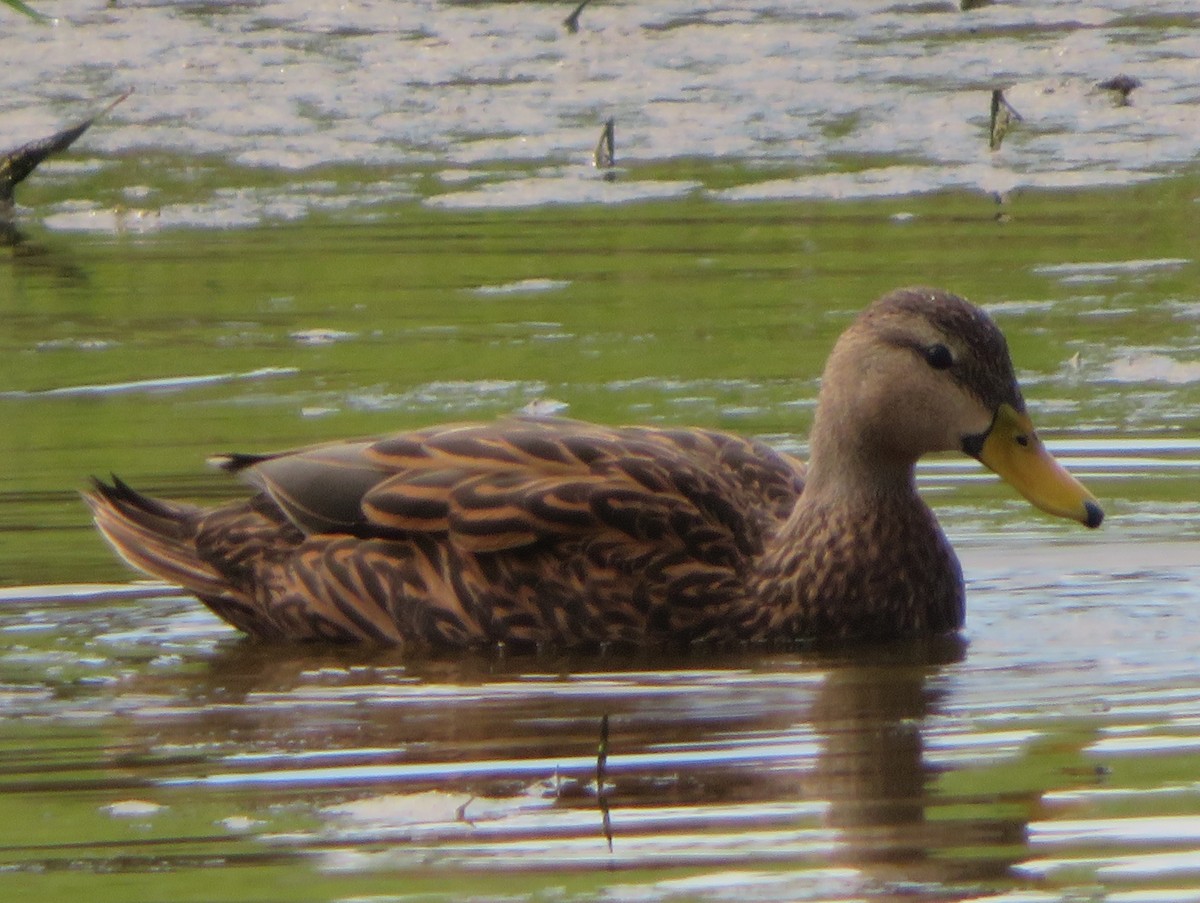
{"x":154,"y":536}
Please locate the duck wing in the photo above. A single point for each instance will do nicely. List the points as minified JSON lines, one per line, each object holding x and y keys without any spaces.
{"x":319,"y":489}
{"x":519,"y":483}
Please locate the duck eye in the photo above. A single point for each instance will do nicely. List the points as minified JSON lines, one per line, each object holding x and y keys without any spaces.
{"x":939,"y":357}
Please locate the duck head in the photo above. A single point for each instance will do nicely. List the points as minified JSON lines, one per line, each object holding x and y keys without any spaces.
{"x":922,"y":370}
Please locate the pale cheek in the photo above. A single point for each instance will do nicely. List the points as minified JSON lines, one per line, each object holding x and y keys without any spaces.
{"x":973,"y":417}
{"x":912,"y":424}
{"x":931,"y":419}
{"x":969,"y":419}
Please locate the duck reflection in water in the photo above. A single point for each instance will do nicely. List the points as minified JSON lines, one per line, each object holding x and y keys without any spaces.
{"x":809,"y":760}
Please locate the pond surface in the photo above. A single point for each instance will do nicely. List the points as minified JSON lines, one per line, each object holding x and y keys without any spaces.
{"x":271,"y":109}
{"x":313,"y":221}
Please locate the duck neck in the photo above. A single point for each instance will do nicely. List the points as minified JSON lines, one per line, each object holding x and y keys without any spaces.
{"x":860,"y":557}
{"x":843,"y":468}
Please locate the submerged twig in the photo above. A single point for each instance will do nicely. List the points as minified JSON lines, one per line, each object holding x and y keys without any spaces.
{"x":601,"y":789}
{"x":1002,"y":115}
{"x":17,"y":164}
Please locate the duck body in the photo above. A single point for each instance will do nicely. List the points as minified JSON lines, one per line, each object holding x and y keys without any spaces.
{"x":517,"y":532}
{"x":546,"y":532}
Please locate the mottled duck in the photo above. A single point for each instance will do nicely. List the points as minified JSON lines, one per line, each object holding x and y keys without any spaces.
{"x":534,"y":532}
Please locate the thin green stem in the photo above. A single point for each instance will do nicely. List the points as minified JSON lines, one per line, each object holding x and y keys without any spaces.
{"x":22,"y":8}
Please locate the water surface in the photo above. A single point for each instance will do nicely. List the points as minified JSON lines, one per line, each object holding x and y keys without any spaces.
{"x":269,"y":110}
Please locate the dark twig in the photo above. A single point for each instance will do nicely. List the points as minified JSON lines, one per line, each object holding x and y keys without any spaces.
{"x":17,"y":164}
{"x":1002,"y":115}
{"x":601,"y":788}
{"x":460,"y":814}
{"x":1121,"y":85}
{"x":572,"y":21}
{"x":606,"y":154}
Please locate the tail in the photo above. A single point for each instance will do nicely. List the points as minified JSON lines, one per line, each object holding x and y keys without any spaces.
{"x":155,"y":537}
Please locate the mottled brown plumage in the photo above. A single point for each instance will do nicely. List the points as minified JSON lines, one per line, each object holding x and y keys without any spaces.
{"x":531,"y":532}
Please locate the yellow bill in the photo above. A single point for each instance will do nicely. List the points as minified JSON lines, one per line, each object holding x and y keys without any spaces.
{"x":1013,"y":450}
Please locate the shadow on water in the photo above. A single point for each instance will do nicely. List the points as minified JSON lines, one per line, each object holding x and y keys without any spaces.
{"x":35,"y":259}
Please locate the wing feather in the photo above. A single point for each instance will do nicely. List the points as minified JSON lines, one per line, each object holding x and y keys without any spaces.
{"x":513,"y":484}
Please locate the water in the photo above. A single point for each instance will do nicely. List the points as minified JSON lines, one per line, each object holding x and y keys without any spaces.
{"x":257,"y":111}
{"x":1056,"y":751}
{"x":316,"y":221}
